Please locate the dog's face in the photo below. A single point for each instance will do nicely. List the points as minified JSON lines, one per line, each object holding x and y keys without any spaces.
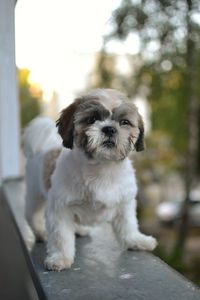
{"x":104,"y":124}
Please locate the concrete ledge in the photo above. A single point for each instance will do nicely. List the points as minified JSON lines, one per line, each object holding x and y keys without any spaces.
{"x":101,"y":270}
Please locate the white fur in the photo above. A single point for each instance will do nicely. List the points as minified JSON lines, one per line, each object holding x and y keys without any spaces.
{"x":83,"y":192}
{"x":39,"y":137}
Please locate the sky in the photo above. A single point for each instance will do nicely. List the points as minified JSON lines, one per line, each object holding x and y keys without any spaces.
{"x":57,"y":40}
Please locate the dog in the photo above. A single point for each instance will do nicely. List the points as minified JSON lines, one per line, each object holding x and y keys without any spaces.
{"x":84,"y":173}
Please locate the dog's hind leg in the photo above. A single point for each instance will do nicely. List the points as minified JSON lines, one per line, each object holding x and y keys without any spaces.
{"x":35,"y":207}
{"x":28,"y":235}
{"x":38,"y":223}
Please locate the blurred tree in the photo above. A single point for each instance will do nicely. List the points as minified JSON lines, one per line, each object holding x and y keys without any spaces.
{"x":29,"y":96}
{"x":106,"y":64}
{"x":169,"y":34}
{"x":106,"y":75}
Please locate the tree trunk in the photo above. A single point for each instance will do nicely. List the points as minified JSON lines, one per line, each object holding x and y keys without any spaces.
{"x":192,"y":127}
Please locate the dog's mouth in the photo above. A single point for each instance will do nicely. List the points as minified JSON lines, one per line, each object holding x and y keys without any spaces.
{"x":108,"y":144}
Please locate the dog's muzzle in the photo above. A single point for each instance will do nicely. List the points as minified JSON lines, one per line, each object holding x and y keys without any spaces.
{"x":109,"y":130}
{"x":109,"y":144}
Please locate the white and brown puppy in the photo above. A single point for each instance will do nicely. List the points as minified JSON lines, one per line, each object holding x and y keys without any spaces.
{"x":92,"y":180}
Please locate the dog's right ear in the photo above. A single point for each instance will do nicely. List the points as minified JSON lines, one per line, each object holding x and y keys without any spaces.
{"x":65,"y":124}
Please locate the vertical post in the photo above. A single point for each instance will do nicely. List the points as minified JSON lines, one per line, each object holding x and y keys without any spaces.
{"x":9,"y":105}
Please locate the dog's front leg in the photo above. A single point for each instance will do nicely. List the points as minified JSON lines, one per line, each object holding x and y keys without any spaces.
{"x":125,"y":226}
{"x":60,"y":239}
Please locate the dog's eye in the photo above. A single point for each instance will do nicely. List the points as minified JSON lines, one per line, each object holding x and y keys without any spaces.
{"x":124,"y":122}
{"x":91,"y":120}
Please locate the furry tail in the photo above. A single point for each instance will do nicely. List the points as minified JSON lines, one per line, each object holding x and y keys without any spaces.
{"x":39,"y":136}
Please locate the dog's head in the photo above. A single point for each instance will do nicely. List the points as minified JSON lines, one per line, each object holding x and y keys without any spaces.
{"x":104,"y":124}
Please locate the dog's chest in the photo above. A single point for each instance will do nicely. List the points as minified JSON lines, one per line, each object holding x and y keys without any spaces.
{"x":88,"y":211}
{"x":102,"y":188}
{"x":95,"y":192}
{"x":99,"y":200}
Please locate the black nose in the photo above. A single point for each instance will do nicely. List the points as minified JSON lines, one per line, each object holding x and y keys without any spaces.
{"x":109,"y":130}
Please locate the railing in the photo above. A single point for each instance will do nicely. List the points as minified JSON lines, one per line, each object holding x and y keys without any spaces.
{"x":101,"y":270}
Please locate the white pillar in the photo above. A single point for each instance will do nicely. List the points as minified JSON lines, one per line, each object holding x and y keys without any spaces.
{"x":9,"y":105}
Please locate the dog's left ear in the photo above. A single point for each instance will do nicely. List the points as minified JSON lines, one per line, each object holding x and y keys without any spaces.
{"x":65,"y":124}
{"x":140,"y":145}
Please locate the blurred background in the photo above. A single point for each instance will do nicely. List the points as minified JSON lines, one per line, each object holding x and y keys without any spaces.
{"x":151,"y":51}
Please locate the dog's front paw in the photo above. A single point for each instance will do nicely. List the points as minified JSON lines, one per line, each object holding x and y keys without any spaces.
{"x":58,"y":262}
{"x":142,"y":242}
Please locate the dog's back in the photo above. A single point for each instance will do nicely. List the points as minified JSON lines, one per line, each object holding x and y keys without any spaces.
{"x":40,"y":136}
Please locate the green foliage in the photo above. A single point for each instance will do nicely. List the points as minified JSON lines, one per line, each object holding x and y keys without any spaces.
{"x":166,"y":30}
{"x":29,"y":97}
{"x":157,"y":22}
{"x":173,"y":259}
{"x":177,"y":261}
{"x":168,"y":99}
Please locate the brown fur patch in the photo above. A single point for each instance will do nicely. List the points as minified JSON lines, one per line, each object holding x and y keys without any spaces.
{"x":65,"y":124}
{"x":49,"y":166}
